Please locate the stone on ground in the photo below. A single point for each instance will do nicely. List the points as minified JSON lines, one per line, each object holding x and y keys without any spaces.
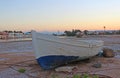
{"x":108,"y":52}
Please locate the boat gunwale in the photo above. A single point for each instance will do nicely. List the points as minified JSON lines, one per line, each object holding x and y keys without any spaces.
{"x":65,"y":43}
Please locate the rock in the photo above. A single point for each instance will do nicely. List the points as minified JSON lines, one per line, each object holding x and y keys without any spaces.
{"x":108,"y":52}
{"x":97,"y":65}
{"x":66,"y":69}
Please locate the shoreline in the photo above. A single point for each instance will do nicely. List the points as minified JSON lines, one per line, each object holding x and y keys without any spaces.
{"x":17,"y":40}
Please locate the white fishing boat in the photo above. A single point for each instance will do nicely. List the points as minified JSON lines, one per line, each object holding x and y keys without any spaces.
{"x":52,"y":51}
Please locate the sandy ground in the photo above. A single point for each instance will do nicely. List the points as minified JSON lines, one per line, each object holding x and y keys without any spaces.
{"x":10,"y":63}
{"x":17,"y":55}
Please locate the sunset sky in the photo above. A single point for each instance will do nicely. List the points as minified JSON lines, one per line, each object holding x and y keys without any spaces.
{"x":54,"y":15}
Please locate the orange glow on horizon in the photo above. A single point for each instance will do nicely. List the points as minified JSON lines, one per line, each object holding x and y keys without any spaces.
{"x":62,"y":27}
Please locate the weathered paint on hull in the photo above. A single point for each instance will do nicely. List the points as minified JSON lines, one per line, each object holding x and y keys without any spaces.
{"x":53,"y":61}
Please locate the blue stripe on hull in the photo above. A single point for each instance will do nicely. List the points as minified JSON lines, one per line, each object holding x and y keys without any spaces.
{"x":50,"y":62}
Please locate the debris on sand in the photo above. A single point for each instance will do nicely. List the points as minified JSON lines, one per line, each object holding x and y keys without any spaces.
{"x":97,"y":65}
{"x":66,"y":69}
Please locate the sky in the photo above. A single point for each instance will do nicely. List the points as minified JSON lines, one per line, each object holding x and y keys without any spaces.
{"x":59,"y":15}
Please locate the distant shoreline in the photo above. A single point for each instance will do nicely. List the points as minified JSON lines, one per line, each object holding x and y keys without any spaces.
{"x":25,"y":44}
{"x":17,"y":40}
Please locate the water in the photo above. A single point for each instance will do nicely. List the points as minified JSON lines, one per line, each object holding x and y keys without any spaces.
{"x":22,"y":46}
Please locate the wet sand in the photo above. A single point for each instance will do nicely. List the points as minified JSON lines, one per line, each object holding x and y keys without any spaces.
{"x":17,"y":55}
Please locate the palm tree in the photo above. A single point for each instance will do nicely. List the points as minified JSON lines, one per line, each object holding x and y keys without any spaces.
{"x":85,"y":32}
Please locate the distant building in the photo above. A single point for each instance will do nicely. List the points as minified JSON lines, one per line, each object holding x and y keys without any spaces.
{"x":79,"y":34}
{"x":13,"y":35}
{"x":28,"y":35}
{"x":3,"y":35}
{"x":107,"y":32}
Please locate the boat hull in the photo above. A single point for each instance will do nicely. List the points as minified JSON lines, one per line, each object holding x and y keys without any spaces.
{"x":53,"y":61}
{"x":52,"y":52}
